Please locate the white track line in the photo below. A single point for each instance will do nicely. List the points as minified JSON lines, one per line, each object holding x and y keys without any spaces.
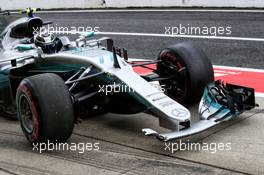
{"x":240,"y":68}
{"x":180,"y":36}
{"x":215,"y":66}
{"x":153,"y":10}
{"x":168,"y":36}
{"x":257,"y":94}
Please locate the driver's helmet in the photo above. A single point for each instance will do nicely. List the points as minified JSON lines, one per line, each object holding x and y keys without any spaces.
{"x":47,"y":42}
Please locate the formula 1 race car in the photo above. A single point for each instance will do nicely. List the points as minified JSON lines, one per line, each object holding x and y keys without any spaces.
{"x":54,"y":81}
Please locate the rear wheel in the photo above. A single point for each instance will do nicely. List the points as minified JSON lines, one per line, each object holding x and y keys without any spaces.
{"x":192,"y":70}
{"x":45,"y":109}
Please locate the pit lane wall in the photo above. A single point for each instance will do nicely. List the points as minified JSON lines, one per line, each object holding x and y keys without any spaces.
{"x":186,"y":3}
{"x":50,"y":4}
{"x":70,"y":4}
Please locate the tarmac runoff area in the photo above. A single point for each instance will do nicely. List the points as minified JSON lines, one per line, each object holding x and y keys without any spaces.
{"x":116,"y":145}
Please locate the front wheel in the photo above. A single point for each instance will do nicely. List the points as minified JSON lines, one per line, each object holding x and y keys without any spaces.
{"x":191,"y":71}
{"x":45,"y":109}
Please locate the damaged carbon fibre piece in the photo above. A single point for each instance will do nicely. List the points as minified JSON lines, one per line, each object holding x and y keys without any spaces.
{"x":220,"y":102}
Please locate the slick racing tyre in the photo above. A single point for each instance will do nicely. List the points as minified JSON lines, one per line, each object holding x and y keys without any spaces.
{"x":45,"y":109}
{"x":192,"y":70}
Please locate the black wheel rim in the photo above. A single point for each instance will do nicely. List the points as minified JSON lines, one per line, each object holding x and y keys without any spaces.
{"x":178,"y":86}
{"x":26,"y":114}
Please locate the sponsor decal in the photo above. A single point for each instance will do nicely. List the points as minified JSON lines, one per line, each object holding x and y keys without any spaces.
{"x":178,"y":112}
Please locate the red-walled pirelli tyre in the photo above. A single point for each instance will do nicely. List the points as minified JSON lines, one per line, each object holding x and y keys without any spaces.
{"x":45,"y":109}
{"x":194,"y":68}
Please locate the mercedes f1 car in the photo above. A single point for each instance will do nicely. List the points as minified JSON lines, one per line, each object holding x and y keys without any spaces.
{"x":53,"y":81}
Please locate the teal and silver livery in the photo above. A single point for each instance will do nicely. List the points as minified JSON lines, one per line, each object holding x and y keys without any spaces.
{"x":54,"y":81}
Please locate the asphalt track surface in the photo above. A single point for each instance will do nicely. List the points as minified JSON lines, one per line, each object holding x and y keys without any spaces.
{"x":221,"y":52}
{"x":123,"y":148}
